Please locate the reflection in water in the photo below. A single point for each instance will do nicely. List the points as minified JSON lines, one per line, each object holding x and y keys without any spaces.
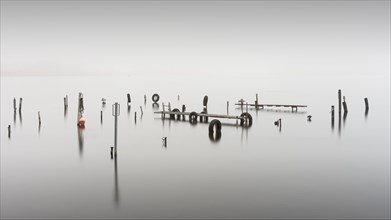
{"x":129,"y":108}
{"x":39,"y":128}
{"x":65,"y":111}
{"x":14,"y":117}
{"x":215,"y":136}
{"x":116,"y":188}
{"x":80,"y":135}
{"x":20,"y":117}
{"x":155,"y":106}
{"x":339,"y":123}
{"x":366,"y":112}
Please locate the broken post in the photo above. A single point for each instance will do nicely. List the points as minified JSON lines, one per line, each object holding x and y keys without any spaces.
{"x":183,"y":110}
{"x":227,"y":107}
{"x":256,"y":101}
{"x":101,"y":116}
{"x":66,"y":102}
{"x":332,"y":112}
{"x":80,"y":109}
{"x":116,"y":113}
{"x":9,"y":131}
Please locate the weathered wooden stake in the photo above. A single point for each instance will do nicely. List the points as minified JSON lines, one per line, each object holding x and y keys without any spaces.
{"x":183,"y":110}
{"x":14,"y":105}
{"x":129,"y":100}
{"x":66,"y":101}
{"x":169,"y":106}
{"x":20,"y":105}
{"x":80,"y":108}
{"x":256,"y":101}
{"x":9,"y":131}
{"x":101,"y":116}
{"x":39,"y":118}
{"x":332,"y":112}
{"x":345,"y":107}
{"x":339,"y":100}
{"x":366,"y":104}
{"x":227,"y":107}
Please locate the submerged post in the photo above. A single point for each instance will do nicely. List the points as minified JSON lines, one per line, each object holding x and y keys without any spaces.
{"x":116,"y":112}
{"x":66,"y":101}
{"x":39,"y":118}
{"x":101,"y":116}
{"x":9,"y":131}
{"x":345,"y":107}
{"x":20,"y":105}
{"x":227,"y":107}
{"x":256,"y":101}
{"x":339,"y":101}
{"x":366,"y":104}
{"x":80,"y":110}
{"x":129,"y":100}
{"x":14,"y":105}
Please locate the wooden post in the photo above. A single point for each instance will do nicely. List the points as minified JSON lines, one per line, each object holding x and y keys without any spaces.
{"x":66,"y":101}
{"x":366,"y":104}
{"x":9,"y":131}
{"x":80,"y":108}
{"x":129,"y":100}
{"x":20,"y":105}
{"x":145,"y":99}
{"x":101,"y":116}
{"x":183,"y":110}
{"x":256,"y":101}
{"x":345,"y":107}
{"x":135,"y":116}
{"x":339,"y":100}
{"x":169,"y":106}
{"x":141,"y":108}
{"x":227,"y":107}
{"x":39,"y":118}
{"x":332,"y":112}
{"x":14,"y":105}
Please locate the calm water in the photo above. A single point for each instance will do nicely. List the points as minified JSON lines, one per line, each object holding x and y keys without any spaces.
{"x":305,"y":170}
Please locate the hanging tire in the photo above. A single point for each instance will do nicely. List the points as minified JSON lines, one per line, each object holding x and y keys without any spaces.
{"x":247,"y":119}
{"x":193,"y":117}
{"x":155,"y":97}
{"x":172,"y":116}
{"x":205,"y":102}
{"x":214,"y":123}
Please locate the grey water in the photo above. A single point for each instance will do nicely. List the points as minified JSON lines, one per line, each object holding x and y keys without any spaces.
{"x":307,"y":169}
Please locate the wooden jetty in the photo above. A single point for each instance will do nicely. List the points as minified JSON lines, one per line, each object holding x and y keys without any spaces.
{"x":245,"y":118}
{"x":262,"y":106}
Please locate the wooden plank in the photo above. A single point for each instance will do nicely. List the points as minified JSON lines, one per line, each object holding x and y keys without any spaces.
{"x":200,"y":114}
{"x":276,"y":105}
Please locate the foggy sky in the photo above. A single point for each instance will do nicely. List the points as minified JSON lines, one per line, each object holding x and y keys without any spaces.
{"x":189,"y":37}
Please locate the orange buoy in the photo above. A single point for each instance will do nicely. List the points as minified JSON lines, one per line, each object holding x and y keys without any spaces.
{"x":82,"y":122}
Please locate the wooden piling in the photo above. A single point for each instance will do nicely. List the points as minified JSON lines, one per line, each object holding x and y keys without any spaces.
{"x":135,"y":116}
{"x":66,"y":101}
{"x":14,"y":105}
{"x":80,"y":108}
{"x":332,"y":112}
{"x":246,"y":107}
{"x":183,"y":110}
{"x":339,"y":100}
{"x":9,"y":131}
{"x":256,"y":101}
{"x":227,"y":107}
{"x":20,"y":105}
{"x":101,"y":116}
{"x":39,"y":117}
{"x":345,"y":107}
{"x":129,"y":100}
{"x":366,"y":104}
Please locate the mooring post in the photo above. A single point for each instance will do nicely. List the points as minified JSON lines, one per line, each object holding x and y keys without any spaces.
{"x":66,"y":101}
{"x":339,"y":100}
{"x":20,"y":105}
{"x":256,"y":101}
{"x":9,"y":131}
{"x":345,"y":107}
{"x":366,"y":104}
{"x":39,"y":117}
{"x":80,"y":108}
{"x":101,"y":116}
{"x":14,"y":105}
{"x":116,"y":113}
{"x":227,"y":107}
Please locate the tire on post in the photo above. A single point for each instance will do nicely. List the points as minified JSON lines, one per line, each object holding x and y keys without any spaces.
{"x":247,"y":119}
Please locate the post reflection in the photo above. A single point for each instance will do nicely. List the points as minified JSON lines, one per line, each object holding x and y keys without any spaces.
{"x":20,"y":117}
{"x":345,"y":114}
{"x":80,"y":135}
{"x":116,"y":188}
{"x":65,"y":112}
{"x":14,"y":117}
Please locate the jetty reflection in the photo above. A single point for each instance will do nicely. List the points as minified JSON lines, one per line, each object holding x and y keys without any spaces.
{"x":80,"y":131}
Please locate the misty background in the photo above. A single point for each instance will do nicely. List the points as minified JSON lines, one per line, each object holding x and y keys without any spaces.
{"x":195,"y":37}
